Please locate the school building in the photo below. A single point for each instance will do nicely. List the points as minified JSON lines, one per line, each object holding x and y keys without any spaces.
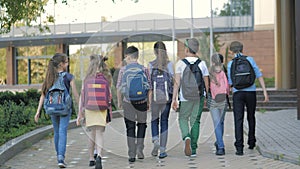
{"x":274,"y":44}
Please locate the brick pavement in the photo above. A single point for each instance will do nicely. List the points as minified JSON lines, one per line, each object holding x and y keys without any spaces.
{"x":42,"y":154}
{"x":278,"y":135}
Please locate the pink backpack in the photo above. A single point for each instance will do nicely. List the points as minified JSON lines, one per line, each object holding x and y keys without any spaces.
{"x":219,"y":92}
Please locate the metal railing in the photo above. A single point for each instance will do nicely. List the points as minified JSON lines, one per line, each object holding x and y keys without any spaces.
{"x":227,"y":24}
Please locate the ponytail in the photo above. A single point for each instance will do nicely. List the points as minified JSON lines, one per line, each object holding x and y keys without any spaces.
{"x":52,"y":74}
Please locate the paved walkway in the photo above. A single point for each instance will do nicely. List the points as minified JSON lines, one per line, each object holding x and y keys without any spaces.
{"x":277,"y":133}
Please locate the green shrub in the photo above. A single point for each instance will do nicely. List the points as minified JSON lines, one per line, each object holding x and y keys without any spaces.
{"x":20,"y":97}
{"x":17,"y":114}
{"x":269,"y":82}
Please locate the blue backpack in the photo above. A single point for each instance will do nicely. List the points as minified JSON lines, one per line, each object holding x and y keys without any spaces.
{"x":135,"y":85}
{"x":162,"y":85}
{"x":58,"y":100}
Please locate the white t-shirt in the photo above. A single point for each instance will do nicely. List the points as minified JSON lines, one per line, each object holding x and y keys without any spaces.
{"x":180,"y":66}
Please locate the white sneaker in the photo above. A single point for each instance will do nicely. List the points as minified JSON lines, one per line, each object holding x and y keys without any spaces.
{"x":187,"y":146}
{"x":155,"y":148}
{"x":61,"y":164}
{"x":193,"y":155}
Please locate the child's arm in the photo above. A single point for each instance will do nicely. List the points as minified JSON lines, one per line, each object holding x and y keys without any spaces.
{"x":38,"y":111}
{"x":175,"y":91}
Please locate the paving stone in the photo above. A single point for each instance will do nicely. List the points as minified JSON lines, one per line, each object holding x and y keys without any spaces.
{"x":42,"y":154}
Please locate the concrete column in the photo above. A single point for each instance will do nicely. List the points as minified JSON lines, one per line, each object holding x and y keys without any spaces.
{"x":62,"y":48}
{"x":180,"y":50}
{"x":10,"y":65}
{"x":297,"y":32}
{"x":284,"y":55}
{"x":119,"y":54}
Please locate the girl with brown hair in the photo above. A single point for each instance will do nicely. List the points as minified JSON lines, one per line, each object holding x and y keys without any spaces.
{"x":56,"y":67}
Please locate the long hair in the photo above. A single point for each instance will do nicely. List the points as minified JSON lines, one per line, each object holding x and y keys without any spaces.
{"x":162,"y":58}
{"x":97,"y":65}
{"x":215,"y":59}
{"x":52,"y":74}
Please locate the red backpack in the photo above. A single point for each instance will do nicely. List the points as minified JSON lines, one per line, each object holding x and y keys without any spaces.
{"x":96,"y":93}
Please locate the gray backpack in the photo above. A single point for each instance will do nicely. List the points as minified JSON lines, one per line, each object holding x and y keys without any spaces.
{"x":192,"y":81}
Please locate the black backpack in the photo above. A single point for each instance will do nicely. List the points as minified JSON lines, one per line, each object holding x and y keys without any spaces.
{"x":192,"y":81}
{"x":242,"y":73}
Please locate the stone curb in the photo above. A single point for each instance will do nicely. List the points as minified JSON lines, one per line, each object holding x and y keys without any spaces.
{"x":276,"y":155}
{"x":12,"y":147}
{"x":271,"y":154}
{"x":16,"y":145}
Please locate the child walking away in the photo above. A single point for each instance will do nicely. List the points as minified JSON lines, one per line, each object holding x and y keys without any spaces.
{"x":95,"y":106}
{"x":217,"y":100}
{"x":59,"y":80}
{"x":162,"y":72}
{"x":191,"y":77}
{"x":134,"y":84}
{"x":242,"y":71}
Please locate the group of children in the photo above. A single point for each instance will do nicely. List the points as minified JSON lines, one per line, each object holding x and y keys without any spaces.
{"x":158,"y":87}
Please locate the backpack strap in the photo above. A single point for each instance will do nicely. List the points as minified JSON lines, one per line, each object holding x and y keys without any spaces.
{"x":188,"y":63}
{"x":65,"y":80}
{"x":185,"y":61}
{"x":239,"y":56}
{"x":197,"y":61}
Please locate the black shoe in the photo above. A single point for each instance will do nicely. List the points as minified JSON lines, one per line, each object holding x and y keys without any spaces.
{"x":92,"y":163}
{"x":251,"y":147}
{"x":239,"y":153}
{"x":216,"y":145}
{"x":98,"y":163}
{"x":220,"y":152}
{"x":140,"y":154}
{"x":131,"y":160}
{"x":95,"y":156}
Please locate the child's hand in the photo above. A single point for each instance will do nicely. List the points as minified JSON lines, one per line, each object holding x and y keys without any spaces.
{"x":78,"y":120}
{"x":36,"y":117}
{"x":175,"y":105}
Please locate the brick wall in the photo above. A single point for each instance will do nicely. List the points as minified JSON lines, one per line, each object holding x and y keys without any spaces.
{"x":259,"y":44}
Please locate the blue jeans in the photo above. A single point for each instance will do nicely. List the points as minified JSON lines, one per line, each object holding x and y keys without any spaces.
{"x":60,"y":126}
{"x":163,"y":110}
{"x":218,"y":116}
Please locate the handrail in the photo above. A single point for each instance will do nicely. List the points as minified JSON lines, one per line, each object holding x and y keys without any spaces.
{"x":229,"y":23}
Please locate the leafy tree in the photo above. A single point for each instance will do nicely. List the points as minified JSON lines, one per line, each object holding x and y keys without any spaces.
{"x":235,"y":8}
{"x":25,"y":12}
{"x":205,"y":46}
{"x":21,"y":12}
